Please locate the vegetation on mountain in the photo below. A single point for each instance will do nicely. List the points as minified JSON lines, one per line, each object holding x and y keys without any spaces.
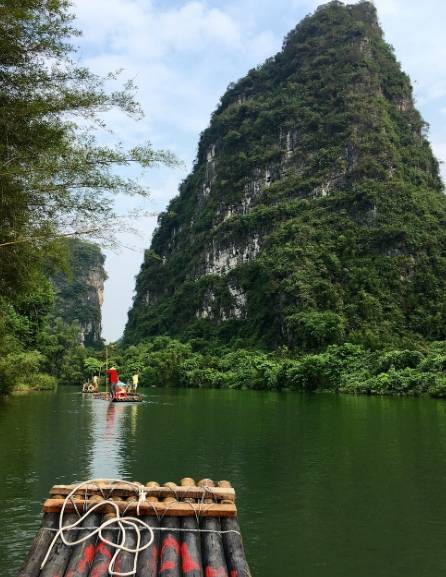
{"x":314,"y":215}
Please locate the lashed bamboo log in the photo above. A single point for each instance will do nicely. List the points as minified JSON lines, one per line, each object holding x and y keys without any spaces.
{"x":191,"y":546}
{"x":170,"y":558}
{"x":60,"y":554}
{"x":163,"y":508}
{"x":39,"y":546}
{"x":148,"y":558}
{"x":213,"y":555}
{"x":83,"y":554}
{"x":233,"y":545}
{"x":103,"y":553}
{"x":168,"y":490}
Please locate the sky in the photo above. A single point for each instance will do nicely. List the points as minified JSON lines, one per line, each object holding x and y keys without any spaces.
{"x":182,"y":56}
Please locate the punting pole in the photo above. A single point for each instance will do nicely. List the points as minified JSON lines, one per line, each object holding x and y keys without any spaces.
{"x":58,"y":559}
{"x":39,"y":546}
{"x":214,"y":561}
{"x":170,"y":558}
{"x":148,"y":558}
{"x":106,"y":368}
{"x":233,"y":543}
{"x":190,"y":546}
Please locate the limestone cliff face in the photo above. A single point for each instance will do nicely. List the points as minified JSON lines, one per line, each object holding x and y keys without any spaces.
{"x":79,"y":293}
{"x":304,"y":218}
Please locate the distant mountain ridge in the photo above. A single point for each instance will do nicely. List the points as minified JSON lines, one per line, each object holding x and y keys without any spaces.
{"x":314,"y":213}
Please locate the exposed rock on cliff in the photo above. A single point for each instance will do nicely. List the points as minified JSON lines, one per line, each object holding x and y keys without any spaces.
{"x":314,"y":213}
{"x":79,"y":293}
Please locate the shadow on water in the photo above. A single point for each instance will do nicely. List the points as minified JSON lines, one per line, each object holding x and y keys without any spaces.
{"x":327,"y":486}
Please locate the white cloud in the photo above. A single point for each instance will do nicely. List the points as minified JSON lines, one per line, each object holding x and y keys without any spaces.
{"x":183,"y":54}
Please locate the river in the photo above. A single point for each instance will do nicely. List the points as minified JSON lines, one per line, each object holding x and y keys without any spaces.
{"x":328,"y":486}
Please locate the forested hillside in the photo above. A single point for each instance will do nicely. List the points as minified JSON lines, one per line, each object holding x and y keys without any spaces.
{"x":314,"y":214}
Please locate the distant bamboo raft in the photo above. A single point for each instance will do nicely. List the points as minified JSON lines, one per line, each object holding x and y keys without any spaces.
{"x":194,"y":527}
{"x":129,"y":398}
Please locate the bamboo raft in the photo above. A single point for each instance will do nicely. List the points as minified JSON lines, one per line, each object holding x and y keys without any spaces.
{"x":103,"y":396}
{"x":194,"y":527}
{"x":89,"y":388}
{"x":130,"y":398}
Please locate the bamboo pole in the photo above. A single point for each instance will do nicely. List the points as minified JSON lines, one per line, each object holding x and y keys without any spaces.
{"x":106,"y":367}
{"x":61,"y":553}
{"x":170,"y":556}
{"x":191,"y":546}
{"x":125,"y":490}
{"x":125,"y":560}
{"x":233,"y":544}
{"x":148,"y":558}
{"x":83,"y":554}
{"x":103,"y":553}
{"x":164,"y":508}
{"x":213,"y":555}
{"x":39,"y":546}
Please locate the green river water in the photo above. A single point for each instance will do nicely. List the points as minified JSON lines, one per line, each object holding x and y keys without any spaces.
{"x":327,"y":486}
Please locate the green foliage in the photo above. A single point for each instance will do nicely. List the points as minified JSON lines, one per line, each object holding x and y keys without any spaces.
{"x":346,"y":368}
{"x":399,"y":360}
{"x":316,"y":329}
{"x":55,"y":180}
{"x":93,"y":366}
{"x":64,"y":356}
{"x":21,"y":370}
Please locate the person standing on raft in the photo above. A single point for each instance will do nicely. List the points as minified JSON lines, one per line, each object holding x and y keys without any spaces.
{"x":118,"y":389}
{"x":135,"y":380}
{"x":113,"y":379}
{"x":112,"y":375}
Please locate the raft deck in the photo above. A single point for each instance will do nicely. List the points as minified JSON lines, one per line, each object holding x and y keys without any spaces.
{"x":195,"y":531}
{"x":131,"y":398}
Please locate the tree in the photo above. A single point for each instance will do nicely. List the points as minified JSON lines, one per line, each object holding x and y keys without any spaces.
{"x":55,"y":177}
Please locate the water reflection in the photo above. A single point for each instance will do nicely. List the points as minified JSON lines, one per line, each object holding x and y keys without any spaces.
{"x":111,"y":424}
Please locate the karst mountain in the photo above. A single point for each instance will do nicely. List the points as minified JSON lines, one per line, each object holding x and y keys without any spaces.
{"x":314,"y":213}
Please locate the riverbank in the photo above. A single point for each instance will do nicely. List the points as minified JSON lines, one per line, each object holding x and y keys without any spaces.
{"x":346,"y":368}
{"x":23,"y":389}
{"x":163,"y":362}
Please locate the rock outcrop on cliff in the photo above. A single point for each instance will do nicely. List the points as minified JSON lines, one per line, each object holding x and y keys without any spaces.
{"x":79,"y":292}
{"x":315,"y":211}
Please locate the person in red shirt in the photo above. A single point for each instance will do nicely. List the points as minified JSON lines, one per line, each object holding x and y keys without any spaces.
{"x":118,"y":389}
{"x":112,"y":376}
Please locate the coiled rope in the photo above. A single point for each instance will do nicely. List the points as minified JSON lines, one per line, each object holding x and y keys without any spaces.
{"x":134,"y":523}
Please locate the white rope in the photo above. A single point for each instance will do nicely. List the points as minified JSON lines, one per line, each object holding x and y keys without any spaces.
{"x":135,"y":523}
{"x":166,"y":529}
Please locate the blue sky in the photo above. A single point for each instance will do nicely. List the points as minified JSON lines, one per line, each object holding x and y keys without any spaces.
{"x":183,"y":54}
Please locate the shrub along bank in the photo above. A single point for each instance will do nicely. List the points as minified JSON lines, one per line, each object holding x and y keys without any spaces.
{"x":347,"y":368}
{"x":167,"y":362}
